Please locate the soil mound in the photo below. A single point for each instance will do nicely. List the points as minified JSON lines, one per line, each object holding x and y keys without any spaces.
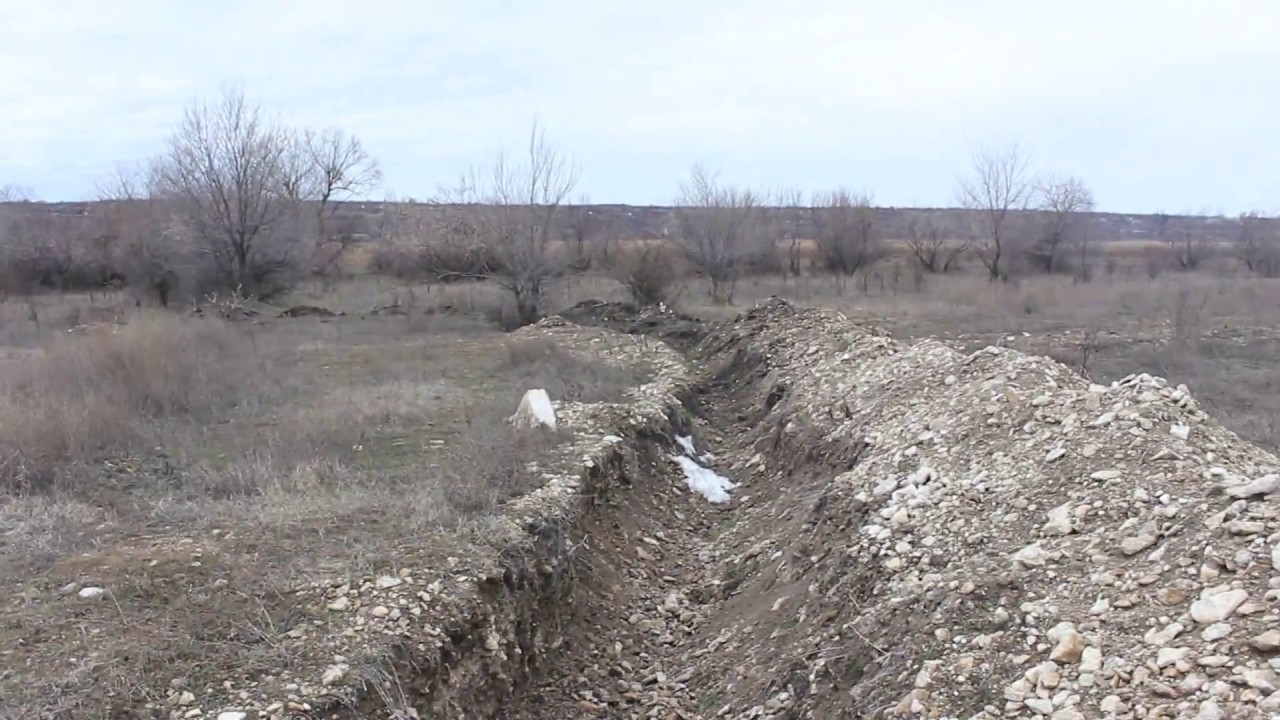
{"x":927,"y":533}
{"x":675,"y":328}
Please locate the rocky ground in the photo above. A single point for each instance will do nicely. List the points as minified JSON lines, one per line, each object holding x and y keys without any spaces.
{"x":922,"y":532}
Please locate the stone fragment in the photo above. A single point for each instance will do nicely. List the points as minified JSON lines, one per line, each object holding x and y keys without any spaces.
{"x":1268,"y":642}
{"x":1059,"y":521}
{"x":1217,"y":607}
{"x":1068,"y":643}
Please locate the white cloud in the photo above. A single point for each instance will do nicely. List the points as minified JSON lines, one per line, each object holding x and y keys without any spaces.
{"x":1155,"y":104}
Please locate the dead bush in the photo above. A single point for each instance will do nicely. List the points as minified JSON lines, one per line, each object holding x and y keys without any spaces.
{"x":491,"y":462}
{"x":1187,"y":316}
{"x":96,"y":393}
{"x":651,"y":272}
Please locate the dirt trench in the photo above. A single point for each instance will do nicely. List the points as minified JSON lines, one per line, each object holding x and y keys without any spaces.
{"x":916,"y":532}
{"x":642,"y":608}
{"x":646,"y":636}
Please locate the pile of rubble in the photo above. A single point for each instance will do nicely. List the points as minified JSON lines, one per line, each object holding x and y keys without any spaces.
{"x":986,"y":535}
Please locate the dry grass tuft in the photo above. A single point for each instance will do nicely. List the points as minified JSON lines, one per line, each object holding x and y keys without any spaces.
{"x":541,"y":362}
{"x":103,"y":391}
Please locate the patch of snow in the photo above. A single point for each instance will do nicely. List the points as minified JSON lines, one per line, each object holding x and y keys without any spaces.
{"x":535,"y":409}
{"x":91,"y":593}
{"x":707,"y":483}
{"x":686,"y":442}
{"x":612,"y":439}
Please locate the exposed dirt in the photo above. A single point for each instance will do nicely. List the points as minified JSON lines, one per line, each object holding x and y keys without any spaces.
{"x":676,"y":329}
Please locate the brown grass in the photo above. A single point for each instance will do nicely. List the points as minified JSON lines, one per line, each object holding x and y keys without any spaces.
{"x":199,"y":470}
{"x":102,"y":392}
{"x":543,"y":363}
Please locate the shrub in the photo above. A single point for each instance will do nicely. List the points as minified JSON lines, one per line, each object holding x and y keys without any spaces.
{"x":651,"y":272}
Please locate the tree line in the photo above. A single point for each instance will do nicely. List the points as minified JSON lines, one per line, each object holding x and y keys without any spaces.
{"x":238,"y":201}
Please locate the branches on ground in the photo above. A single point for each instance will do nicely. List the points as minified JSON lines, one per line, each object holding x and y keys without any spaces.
{"x":848,"y":236}
{"x":999,"y":186}
{"x":721,"y":229}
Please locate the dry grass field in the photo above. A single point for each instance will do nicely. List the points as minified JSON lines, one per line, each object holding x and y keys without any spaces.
{"x":298,"y":448}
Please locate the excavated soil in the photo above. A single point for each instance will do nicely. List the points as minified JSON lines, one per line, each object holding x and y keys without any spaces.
{"x":921,"y":532}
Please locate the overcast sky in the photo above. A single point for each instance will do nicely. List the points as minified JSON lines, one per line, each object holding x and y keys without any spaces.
{"x":1171,"y":105}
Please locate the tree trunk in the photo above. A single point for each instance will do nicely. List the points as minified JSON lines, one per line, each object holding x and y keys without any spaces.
{"x":526,"y":307}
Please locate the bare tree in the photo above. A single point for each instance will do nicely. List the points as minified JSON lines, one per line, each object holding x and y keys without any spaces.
{"x":848,"y":237}
{"x":1258,"y":244}
{"x":330,"y":167}
{"x":10,"y":193}
{"x":584,"y":230}
{"x":720,"y":227}
{"x":1189,"y":248}
{"x":234,"y":176}
{"x":148,"y":245}
{"x":1000,"y":186}
{"x":932,"y":244}
{"x":1062,"y":202}
{"x":512,"y":211}
{"x":791,"y":224}
{"x":42,"y":250}
{"x":650,"y":270}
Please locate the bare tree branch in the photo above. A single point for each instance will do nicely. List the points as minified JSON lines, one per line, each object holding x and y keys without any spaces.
{"x":1001,"y":184}
{"x":720,"y":227}
{"x":1062,"y":202}
{"x":932,"y":244}
{"x":848,"y":237}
